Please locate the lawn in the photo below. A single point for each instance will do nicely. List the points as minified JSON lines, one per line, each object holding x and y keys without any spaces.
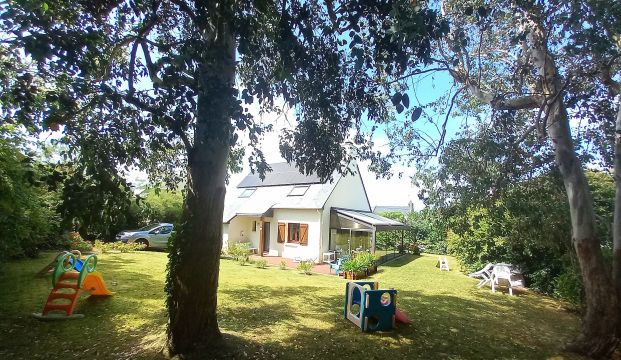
{"x":282,"y":314}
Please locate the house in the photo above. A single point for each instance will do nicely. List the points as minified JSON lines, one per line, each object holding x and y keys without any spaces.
{"x":298,"y":216}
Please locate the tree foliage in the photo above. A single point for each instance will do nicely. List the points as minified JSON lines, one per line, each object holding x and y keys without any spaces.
{"x":168,"y":85}
{"x":27,"y":207}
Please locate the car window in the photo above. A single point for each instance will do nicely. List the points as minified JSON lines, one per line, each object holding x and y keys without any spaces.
{"x":149,"y":227}
{"x":166,"y":230}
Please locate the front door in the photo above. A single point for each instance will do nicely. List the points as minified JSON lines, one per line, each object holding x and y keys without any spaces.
{"x":266,"y":237}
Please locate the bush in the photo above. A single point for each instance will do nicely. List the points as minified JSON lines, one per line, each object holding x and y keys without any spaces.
{"x":76,"y":242}
{"x":240,"y":252}
{"x":261,"y":263}
{"x":306,"y":266}
{"x":283,"y":265}
{"x":118,"y":247}
{"x":365,"y":260}
{"x":568,"y":287}
{"x":27,"y":206}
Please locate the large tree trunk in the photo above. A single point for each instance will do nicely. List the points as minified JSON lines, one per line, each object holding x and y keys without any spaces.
{"x":616,"y":237}
{"x":195,"y":257}
{"x":601,"y":320}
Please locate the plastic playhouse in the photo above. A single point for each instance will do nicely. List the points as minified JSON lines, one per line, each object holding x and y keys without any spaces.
{"x":370,"y":308}
{"x":70,"y":276}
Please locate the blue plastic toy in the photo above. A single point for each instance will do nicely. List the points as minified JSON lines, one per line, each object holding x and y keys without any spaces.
{"x":370,"y":308}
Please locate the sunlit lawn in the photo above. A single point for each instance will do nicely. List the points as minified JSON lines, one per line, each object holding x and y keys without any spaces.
{"x":282,"y":314}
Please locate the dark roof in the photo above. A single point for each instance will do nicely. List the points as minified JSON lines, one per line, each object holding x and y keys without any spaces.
{"x":383,"y":209}
{"x":281,"y":174}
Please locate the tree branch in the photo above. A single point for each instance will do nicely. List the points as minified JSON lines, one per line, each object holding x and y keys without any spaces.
{"x":185,"y":8}
{"x":172,"y":124}
{"x":446,"y":119}
{"x":606,"y":77}
{"x":150,"y":66}
{"x":496,"y":101}
{"x":416,"y":72}
{"x":132,"y":66}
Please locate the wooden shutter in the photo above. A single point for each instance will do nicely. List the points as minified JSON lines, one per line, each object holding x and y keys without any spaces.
{"x":281,"y":232}
{"x":303,"y":234}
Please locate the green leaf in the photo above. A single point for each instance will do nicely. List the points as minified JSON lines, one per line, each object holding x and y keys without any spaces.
{"x":416,"y":113}
{"x":396,"y":99}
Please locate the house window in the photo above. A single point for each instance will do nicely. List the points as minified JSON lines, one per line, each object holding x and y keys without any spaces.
{"x":298,"y":190}
{"x":298,"y":233}
{"x":247,"y":193}
{"x":254,"y":226}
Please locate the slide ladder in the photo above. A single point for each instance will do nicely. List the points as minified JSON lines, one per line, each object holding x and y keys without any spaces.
{"x":66,"y":288}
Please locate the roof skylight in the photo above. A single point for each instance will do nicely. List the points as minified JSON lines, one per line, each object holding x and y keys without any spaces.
{"x":298,"y":190}
{"x":247,"y":193}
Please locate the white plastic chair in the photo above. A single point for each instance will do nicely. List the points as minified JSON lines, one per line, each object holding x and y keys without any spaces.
{"x":507,"y":273}
{"x":484,"y":274}
{"x":443,"y":262}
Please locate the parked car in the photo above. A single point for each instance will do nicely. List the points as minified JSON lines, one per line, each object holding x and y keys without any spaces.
{"x":153,"y":236}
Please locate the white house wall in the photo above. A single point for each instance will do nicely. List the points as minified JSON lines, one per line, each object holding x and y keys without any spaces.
{"x":239,"y":229}
{"x":291,"y":251}
{"x":349,"y":193}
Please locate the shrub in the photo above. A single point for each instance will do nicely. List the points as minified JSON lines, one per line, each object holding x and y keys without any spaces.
{"x":261,"y":263}
{"x":240,"y":252}
{"x":118,"y":246}
{"x":77,"y":243}
{"x":306,"y":266}
{"x":568,"y":287}
{"x":28,"y":218}
{"x":352,"y":265}
{"x":414,"y":249}
{"x":365,"y":260}
{"x":283,"y":265}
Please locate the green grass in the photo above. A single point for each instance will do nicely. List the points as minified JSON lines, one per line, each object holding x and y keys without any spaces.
{"x":270,"y":313}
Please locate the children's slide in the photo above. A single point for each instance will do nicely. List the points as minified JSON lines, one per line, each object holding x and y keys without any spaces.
{"x":95,"y":284}
{"x":400,"y":317}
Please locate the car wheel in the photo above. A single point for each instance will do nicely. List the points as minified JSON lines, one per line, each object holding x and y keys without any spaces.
{"x":143,"y":241}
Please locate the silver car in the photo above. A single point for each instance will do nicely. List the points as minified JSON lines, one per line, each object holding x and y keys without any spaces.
{"x":153,"y":236}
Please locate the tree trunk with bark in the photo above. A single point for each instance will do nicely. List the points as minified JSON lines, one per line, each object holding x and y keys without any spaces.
{"x":616,"y":226}
{"x":601,"y":320}
{"x":195,"y":257}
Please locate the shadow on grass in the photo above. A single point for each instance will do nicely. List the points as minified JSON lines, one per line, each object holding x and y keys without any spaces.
{"x":284,"y":320}
{"x":442,"y":326}
{"x":116,"y":327}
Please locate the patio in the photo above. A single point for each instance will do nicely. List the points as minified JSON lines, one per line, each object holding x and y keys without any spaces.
{"x":275,"y":261}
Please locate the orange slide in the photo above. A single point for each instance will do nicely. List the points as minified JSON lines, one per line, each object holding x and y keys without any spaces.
{"x":400,"y":317}
{"x":95,"y":284}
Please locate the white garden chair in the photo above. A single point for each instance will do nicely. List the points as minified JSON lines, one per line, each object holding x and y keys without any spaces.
{"x":484,"y":274}
{"x":508,"y":273}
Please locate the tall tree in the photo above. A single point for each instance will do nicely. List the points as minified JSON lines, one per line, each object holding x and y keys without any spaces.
{"x":150,"y":80}
{"x":528,"y":57}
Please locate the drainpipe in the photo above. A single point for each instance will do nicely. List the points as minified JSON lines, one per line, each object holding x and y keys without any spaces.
{"x":320,"y":255}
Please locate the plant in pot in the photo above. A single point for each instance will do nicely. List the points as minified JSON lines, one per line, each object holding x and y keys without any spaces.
{"x":367,"y":263}
{"x":352,"y":269}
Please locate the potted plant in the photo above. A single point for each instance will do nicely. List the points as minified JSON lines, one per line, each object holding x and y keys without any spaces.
{"x":367,"y":263}
{"x":353,"y":269}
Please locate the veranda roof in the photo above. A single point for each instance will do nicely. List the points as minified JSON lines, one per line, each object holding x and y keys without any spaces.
{"x":346,"y":218}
